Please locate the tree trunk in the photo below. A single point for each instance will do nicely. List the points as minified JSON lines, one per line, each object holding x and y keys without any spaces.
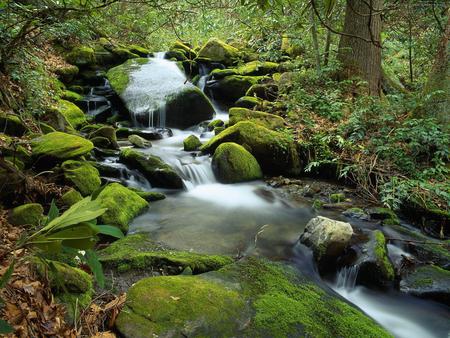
{"x":327,"y":48}
{"x":360,"y":44}
{"x":315,"y":40}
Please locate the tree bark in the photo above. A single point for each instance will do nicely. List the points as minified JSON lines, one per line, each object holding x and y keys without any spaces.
{"x":315,"y":40}
{"x":360,"y":45}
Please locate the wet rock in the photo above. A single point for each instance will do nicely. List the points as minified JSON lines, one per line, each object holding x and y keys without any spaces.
{"x":82,"y":56}
{"x":119,"y":76}
{"x":232,"y":87}
{"x":107,"y":132}
{"x":215,"y":123}
{"x":249,"y":102}
{"x":66,"y":73}
{"x":428,"y":281}
{"x":327,"y":238}
{"x":122,"y":203}
{"x":31,"y":214}
{"x":218,"y":130}
{"x":60,"y":145}
{"x":269,"y":121}
{"x":251,"y":298}
{"x":139,"y":50}
{"x":387,"y":216}
{"x":153,"y":168}
{"x":258,"y":68}
{"x":218,"y":51}
{"x":139,"y":142}
{"x":357,"y":213}
{"x":150,"y":135}
{"x":266,"y":91}
{"x":149,"y":196}
{"x":71,"y":96}
{"x":83,"y":175}
{"x":191,"y":143}
{"x":231,"y":163}
{"x":261,"y":141}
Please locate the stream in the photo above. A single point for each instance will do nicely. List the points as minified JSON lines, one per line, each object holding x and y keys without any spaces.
{"x":247,"y":218}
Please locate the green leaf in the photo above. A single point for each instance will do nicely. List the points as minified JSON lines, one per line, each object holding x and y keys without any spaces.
{"x":96,"y":267}
{"x":7,"y":276}
{"x":5,"y":328}
{"x":329,"y":6}
{"x":53,"y":212}
{"x":110,"y":231}
{"x":80,"y":244}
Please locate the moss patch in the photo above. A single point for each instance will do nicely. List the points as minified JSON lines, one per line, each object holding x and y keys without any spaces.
{"x":83,"y":175}
{"x":382,"y":257}
{"x":270,"y":121}
{"x":60,"y":145}
{"x":81,"y":56}
{"x":31,"y":214}
{"x":191,"y":143}
{"x":119,"y":76}
{"x":217,"y":50}
{"x":71,"y":197}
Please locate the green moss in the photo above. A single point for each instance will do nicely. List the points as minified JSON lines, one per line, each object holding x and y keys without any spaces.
{"x":123,"y":53}
{"x":139,"y":141}
{"x":235,"y":86}
{"x":217,"y":50}
{"x":107,"y":132}
{"x":31,"y":214}
{"x":382,"y":257}
{"x":215,"y":123}
{"x":176,"y":54}
{"x":232,"y":163}
{"x":189,"y":52}
{"x":426,"y":276}
{"x":46,"y":128}
{"x":71,"y":197}
{"x":221,"y":73}
{"x":83,"y":175}
{"x":386,"y":215}
{"x":257,"y":68}
{"x":318,"y":204}
{"x":140,"y":252}
{"x":71,"y":96}
{"x":71,"y":112}
{"x":149,"y":196}
{"x":270,"y":121}
{"x":249,"y":102}
{"x":81,"y":56}
{"x":276,"y":152}
{"x":60,"y":145}
{"x":11,"y":124}
{"x":337,"y":198}
{"x":218,"y":130}
{"x":139,"y":50}
{"x":67,"y":73}
{"x":119,"y":76}
{"x":122,"y":203}
{"x":191,"y":143}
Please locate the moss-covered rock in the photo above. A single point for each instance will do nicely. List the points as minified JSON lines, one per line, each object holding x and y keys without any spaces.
{"x":215,"y":123}
{"x":387,"y":216}
{"x":122,"y":203}
{"x":153,"y":168}
{"x":264,"y":91}
{"x":428,"y":281}
{"x":71,"y":112}
{"x":337,"y":198}
{"x":189,"y":52}
{"x":66,"y":73}
{"x":71,"y":197}
{"x":252,"y":298}
{"x":219,"y":51}
{"x":232,"y":87}
{"x":149,"y":196}
{"x":101,"y":142}
{"x":60,"y":145}
{"x":249,"y":102}
{"x":31,"y":214}
{"x":83,"y":175}
{"x":46,"y":128}
{"x":218,"y":130}
{"x":232,"y":163}
{"x":257,"y":68}
{"x":119,"y":76}
{"x":270,"y":121}
{"x":218,"y":73}
{"x":107,"y":132}
{"x":276,"y":152}
{"x":139,"y":50}
{"x":122,"y":54}
{"x":176,"y":54}
{"x":11,"y":124}
{"x":139,"y":252}
{"x":139,"y":142}
{"x":81,"y":56}
{"x":71,"y":96}
{"x":191,"y":143}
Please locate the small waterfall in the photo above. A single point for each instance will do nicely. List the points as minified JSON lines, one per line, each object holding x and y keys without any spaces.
{"x":196,"y":172}
{"x":346,"y":278}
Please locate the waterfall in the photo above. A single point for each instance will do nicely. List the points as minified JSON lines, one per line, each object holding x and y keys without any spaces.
{"x":346,"y":278}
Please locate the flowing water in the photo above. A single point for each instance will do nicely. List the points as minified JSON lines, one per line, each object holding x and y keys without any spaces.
{"x":246,"y":218}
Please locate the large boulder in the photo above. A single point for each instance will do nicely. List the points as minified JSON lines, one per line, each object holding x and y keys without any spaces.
{"x":60,"y":145}
{"x":270,"y":121}
{"x":83,"y":175}
{"x":191,"y":143}
{"x":107,"y":132}
{"x":428,"y":281}
{"x":122,"y":205}
{"x":119,"y":76}
{"x":153,"y":168}
{"x":258,"y":68}
{"x":232,"y":87}
{"x":251,"y":298}
{"x":11,"y":124}
{"x":232,"y":163}
{"x":71,"y":113}
{"x":81,"y":56}
{"x":326,"y":237}
{"x":218,"y":51}
{"x":264,"y":91}
{"x":276,"y":152}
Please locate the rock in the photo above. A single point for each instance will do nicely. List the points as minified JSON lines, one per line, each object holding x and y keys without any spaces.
{"x":11,"y":124}
{"x":151,"y":135}
{"x":139,"y":50}
{"x":188,"y":51}
{"x":249,"y":102}
{"x":66,"y":73}
{"x":218,"y":73}
{"x":149,"y":196}
{"x":232,"y":87}
{"x":83,"y":175}
{"x":428,"y":281}
{"x":276,"y":153}
{"x":270,"y":121}
{"x":101,"y":142}
{"x":82,"y":56}
{"x":258,"y":68}
{"x":177,"y":54}
{"x":266,"y":91}
{"x":60,"y":145}
{"x":107,"y":132}
{"x":337,"y":198}
{"x":71,"y":197}
{"x":122,"y":203}
{"x":139,"y":142}
{"x":387,"y":216}
{"x":139,"y":252}
{"x":231,"y":163}
{"x":191,"y":143}
{"x":31,"y":214}
{"x":326,"y":237}
{"x":123,"y":54}
{"x":215,"y":123}
{"x":375,"y":267}
{"x":218,"y":51}
{"x":218,"y":130}
{"x":188,"y":107}
{"x":356,"y":213}
{"x":71,"y":96}
{"x":119,"y":76}
{"x":251,"y":298}
{"x":153,"y":168}
{"x":71,"y":113}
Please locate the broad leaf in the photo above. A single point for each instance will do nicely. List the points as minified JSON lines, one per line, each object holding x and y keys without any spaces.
{"x":5,"y":328}
{"x":96,"y":267}
{"x":53,"y":212}
{"x":110,"y":231}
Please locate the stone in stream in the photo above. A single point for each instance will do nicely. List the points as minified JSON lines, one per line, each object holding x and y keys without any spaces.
{"x":270,"y":121}
{"x":428,"y":281}
{"x":107,"y":132}
{"x":215,"y":123}
{"x":232,"y":87}
{"x":83,"y":175}
{"x":276,"y":152}
{"x":218,"y":51}
{"x":60,"y":145}
{"x":150,"y":135}
{"x":153,"y":168}
{"x":191,"y":143}
{"x":326,"y":237}
{"x":232,"y":163}
{"x":139,"y":142}
{"x":251,"y":298}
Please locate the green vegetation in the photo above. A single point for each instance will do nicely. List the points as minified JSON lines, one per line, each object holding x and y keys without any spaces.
{"x":60,"y":145}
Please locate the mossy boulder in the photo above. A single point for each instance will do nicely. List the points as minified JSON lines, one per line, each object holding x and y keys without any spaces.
{"x":66,"y":73}
{"x":107,"y":132}
{"x":72,"y":113}
{"x":11,"y":124}
{"x":139,"y":142}
{"x":191,"y":143}
{"x":31,"y":214}
{"x":428,"y":281}
{"x":249,"y":102}
{"x":60,"y":145}
{"x":387,"y":216}
{"x":258,"y":68}
{"x":252,"y":298}
{"x":122,"y":203}
{"x":270,"y":121}
{"x":149,"y":196}
{"x":71,"y":96}
{"x":139,"y":252}
{"x":232,"y":87}
{"x":176,"y":54}
{"x":122,"y":54}
{"x":71,"y":197}
{"x":218,"y":51}
{"x":83,"y":175}
{"x":81,"y":56}
{"x":188,"y":51}
{"x":119,"y":76}
{"x":153,"y":168}
{"x":139,"y":50}
{"x":232,"y":163}
{"x":263,"y":91}
{"x":215,"y":123}
{"x":276,"y":152}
